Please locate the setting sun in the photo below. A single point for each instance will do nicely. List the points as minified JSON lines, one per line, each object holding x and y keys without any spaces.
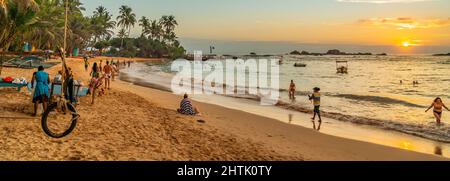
{"x":406,"y":44}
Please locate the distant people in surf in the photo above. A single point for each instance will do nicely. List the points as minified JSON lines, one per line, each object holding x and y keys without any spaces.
{"x":438,"y":107}
{"x":292,"y":89}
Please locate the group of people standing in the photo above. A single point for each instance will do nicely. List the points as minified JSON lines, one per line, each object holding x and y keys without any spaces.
{"x":103,"y":75}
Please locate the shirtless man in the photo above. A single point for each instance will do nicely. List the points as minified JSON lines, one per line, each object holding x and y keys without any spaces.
{"x":108,"y":73}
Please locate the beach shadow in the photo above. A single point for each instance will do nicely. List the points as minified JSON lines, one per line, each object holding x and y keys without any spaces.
{"x":318,"y":126}
{"x":438,"y":150}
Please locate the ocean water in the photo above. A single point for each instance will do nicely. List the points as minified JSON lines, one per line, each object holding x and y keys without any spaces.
{"x":370,"y":94}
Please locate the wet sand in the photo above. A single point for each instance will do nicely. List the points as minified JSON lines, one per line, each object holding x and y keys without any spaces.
{"x":137,"y":123}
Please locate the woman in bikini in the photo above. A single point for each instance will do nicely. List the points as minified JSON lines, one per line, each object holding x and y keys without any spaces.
{"x":437,"y":106}
{"x":292,"y":88}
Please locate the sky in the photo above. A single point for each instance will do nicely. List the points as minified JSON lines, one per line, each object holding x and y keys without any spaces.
{"x":410,"y":24}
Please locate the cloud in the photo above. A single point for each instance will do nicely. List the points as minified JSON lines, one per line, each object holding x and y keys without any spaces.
{"x":406,"y":22}
{"x":382,"y":1}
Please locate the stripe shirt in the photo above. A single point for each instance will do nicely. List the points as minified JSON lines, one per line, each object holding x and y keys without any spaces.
{"x":186,"y":107}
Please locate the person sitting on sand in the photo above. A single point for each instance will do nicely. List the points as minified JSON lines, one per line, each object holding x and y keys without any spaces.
{"x":41,"y":92}
{"x":292,"y":90}
{"x":186,"y":107}
{"x":437,"y":106}
{"x":315,"y":97}
{"x":108,"y":70}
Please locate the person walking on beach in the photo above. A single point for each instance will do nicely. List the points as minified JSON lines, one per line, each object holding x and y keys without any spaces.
{"x":437,"y":106}
{"x":108,"y":70}
{"x":315,"y":97}
{"x":41,"y":92}
{"x":129,"y":64}
{"x":292,"y":88}
{"x":86,"y":63}
{"x":101,"y":65}
{"x":186,"y":107}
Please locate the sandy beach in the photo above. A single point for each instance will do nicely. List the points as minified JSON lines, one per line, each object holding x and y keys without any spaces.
{"x":138,"y":123}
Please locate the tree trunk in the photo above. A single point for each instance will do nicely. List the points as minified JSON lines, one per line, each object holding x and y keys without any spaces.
{"x":2,"y":57}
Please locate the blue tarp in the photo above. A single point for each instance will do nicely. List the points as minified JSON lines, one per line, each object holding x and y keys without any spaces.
{"x":57,"y":90}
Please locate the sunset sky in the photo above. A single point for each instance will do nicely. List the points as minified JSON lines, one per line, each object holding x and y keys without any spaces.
{"x":400,"y":23}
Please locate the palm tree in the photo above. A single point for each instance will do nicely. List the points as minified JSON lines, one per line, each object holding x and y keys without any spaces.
{"x":168,"y":23}
{"x":21,"y":3}
{"x":16,"y":17}
{"x":155,"y":31}
{"x":102,"y":24}
{"x":100,"y":11}
{"x":144,"y":22}
{"x":47,"y":30}
{"x":126,"y":19}
{"x":122,"y":33}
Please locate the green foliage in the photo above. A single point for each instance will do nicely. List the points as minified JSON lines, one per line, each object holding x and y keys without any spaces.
{"x":41,"y":23}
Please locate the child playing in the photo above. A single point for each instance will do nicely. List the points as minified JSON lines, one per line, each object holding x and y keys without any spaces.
{"x":315,"y":97}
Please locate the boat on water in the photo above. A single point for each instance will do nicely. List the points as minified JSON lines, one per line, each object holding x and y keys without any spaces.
{"x":299,"y":65}
{"x":342,"y":67}
{"x":191,"y":57}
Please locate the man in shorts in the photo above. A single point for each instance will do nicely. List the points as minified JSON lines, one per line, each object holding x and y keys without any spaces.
{"x":108,"y":70}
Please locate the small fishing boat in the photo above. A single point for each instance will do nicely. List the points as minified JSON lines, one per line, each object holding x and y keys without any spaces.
{"x":299,"y":65}
{"x":342,"y":67}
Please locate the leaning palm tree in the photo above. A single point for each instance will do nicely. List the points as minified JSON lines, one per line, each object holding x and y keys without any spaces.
{"x":126,"y":19}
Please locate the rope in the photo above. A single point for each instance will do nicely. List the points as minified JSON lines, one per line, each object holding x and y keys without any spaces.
{"x":13,"y":117}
